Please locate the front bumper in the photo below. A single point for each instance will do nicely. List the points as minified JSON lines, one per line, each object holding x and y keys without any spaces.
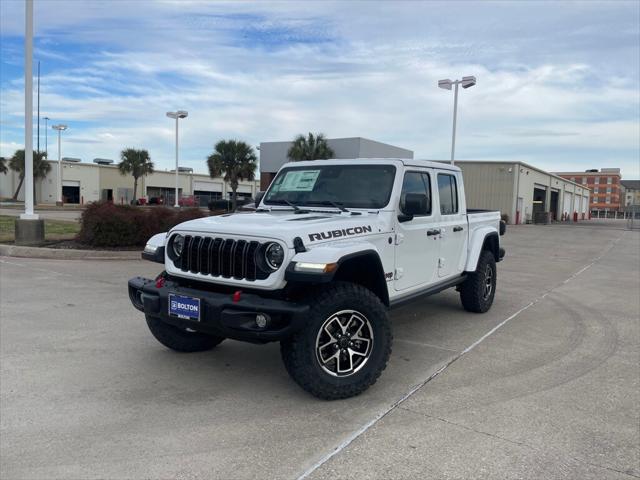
{"x":220,"y":315}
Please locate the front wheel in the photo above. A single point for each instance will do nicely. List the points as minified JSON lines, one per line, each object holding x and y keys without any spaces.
{"x":181,"y":340}
{"x":345,"y":345}
{"x":479,"y":288}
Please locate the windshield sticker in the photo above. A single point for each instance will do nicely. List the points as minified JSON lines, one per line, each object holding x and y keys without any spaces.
{"x":299,"y":181}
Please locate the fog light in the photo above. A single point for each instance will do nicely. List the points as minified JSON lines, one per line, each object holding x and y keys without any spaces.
{"x":262,"y":320}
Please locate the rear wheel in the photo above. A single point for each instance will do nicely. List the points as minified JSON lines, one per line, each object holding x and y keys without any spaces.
{"x":181,"y":340}
{"x":345,"y":345}
{"x":478,"y":290}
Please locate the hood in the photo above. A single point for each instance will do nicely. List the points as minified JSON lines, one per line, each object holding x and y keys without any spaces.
{"x":313,"y":227}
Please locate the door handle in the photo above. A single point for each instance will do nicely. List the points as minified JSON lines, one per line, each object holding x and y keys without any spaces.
{"x":457,"y":229}
{"x":433,"y":232}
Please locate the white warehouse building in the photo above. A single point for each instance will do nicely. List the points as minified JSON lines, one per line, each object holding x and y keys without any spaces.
{"x":90,"y":182}
{"x":522,"y":192}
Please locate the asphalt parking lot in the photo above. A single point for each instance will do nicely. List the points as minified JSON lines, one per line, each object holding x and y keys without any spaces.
{"x":545,"y":385}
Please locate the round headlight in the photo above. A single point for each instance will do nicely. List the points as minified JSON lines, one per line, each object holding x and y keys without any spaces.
{"x":177,"y":244}
{"x":274,"y":255}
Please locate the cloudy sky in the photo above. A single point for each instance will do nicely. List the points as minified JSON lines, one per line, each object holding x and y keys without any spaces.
{"x":558,"y":82}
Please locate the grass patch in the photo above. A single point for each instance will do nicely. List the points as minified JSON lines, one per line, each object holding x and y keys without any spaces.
{"x":53,"y":229}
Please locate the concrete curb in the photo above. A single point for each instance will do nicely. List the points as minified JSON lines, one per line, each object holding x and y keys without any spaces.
{"x":67,"y":253}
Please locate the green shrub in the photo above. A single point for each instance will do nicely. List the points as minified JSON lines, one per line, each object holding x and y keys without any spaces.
{"x":104,"y":224}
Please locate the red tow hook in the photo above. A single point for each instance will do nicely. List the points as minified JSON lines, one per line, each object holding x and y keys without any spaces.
{"x":160,"y":282}
{"x":236,"y":296}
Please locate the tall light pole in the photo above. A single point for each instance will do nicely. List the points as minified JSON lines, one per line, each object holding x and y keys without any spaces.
{"x":177,"y":115}
{"x":466,"y":82}
{"x":46,"y":146}
{"x":60,"y":128}
{"x":28,"y":114}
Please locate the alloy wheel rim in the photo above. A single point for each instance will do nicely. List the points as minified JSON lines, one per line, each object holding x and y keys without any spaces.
{"x":344,"y":343}
{"x":488,"y":282}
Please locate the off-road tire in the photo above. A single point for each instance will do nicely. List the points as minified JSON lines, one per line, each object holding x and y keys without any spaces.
{"x":473,"y":289}
{"x":181,"y":340}
{"x":299,"y":351}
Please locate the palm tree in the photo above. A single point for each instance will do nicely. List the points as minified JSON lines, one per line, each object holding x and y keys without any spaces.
{"x":310,"y":148}
{"x":136,"y":163}
{"x":40,"y":168}
{"x":235,"y":160}
{"x":3,"y":165}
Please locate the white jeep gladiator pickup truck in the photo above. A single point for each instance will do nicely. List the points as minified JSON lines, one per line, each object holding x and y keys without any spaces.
{"x":330,"y":248}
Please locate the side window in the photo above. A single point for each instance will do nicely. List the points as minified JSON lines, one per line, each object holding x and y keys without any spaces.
{"x":416,"y":182}
{"x":448,"y":191}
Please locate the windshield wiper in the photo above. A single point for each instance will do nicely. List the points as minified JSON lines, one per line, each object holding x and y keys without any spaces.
{"x":295,"y":207}
{"x":335,"y":205}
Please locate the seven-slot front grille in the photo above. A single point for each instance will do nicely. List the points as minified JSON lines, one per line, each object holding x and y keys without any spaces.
{"x":221,"y":257}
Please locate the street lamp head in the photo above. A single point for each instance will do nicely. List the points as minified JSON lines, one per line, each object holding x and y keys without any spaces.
{"x":178,"y":114}
{"x":468,"y":81}
{"x":446,"y":84}
{"x":60,"y":127}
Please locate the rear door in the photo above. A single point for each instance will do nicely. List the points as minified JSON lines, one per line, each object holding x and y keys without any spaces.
{"x":416,"y":244}
{"x":452,"y":225}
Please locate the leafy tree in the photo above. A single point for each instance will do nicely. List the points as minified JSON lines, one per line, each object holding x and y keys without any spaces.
{"x":310,"y":148}
{"x":235,"y":160}
{"x":3,"y":165}
{"x":40,"y":168}
{"x":136,"y":163}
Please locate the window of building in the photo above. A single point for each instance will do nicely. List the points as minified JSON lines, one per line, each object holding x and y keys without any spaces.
{"x":596,"y":190}
{"x":573,"y":179}
{"x":584,"y":180}
{"x":608,"y":200}
{"x":608,"y":189}
{"x":609,"y":180}
{"x":448,"y":190}
{"x":597,"y":180}
{"x":416,"y":182}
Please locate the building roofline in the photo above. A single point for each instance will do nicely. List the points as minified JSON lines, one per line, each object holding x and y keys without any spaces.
{"x":173,"y":172}
{"x":526,"y":165}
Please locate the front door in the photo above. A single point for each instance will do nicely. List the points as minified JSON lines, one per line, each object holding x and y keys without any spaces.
{"x":453,"y":227}
{"x":416,"y":244}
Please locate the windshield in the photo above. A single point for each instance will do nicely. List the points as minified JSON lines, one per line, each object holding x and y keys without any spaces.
{"x":354,"y":186}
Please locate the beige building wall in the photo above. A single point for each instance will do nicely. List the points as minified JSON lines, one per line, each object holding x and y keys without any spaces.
{"x":94,"y":180}
{"x":489,"y":186}
{"x":499,"y":185}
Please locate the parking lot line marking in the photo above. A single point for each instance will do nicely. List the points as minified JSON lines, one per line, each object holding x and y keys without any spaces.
{"x":422,"y":344}
{"x":353,"y":436}
{"x":35,"y":268}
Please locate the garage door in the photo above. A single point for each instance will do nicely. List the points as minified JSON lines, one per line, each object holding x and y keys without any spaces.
{"x":70,"y":183}
{"x":566,"y":206}
{"x":585,"y":205}
{"x":208,"y":186}
{"x":578,"y":206}
{"x":244,"y":189}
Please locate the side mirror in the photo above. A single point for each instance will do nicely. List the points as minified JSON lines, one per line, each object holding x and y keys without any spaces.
{"x":414,"y":204}
{"x":258,"y":198}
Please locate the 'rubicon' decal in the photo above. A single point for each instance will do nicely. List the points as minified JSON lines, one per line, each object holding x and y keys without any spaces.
{"x":344,"y":232}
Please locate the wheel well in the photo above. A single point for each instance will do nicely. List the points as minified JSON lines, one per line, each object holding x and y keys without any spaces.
{"x":492,"y":244}
{"x":365,"y":269}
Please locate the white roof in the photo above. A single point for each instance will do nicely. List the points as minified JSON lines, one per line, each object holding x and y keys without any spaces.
{"x":391,"y":161}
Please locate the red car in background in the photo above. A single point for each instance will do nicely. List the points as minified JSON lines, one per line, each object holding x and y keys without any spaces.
{"x":188,"y":201}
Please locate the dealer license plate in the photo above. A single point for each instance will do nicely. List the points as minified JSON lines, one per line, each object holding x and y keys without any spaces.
{"x":185,"y":307}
